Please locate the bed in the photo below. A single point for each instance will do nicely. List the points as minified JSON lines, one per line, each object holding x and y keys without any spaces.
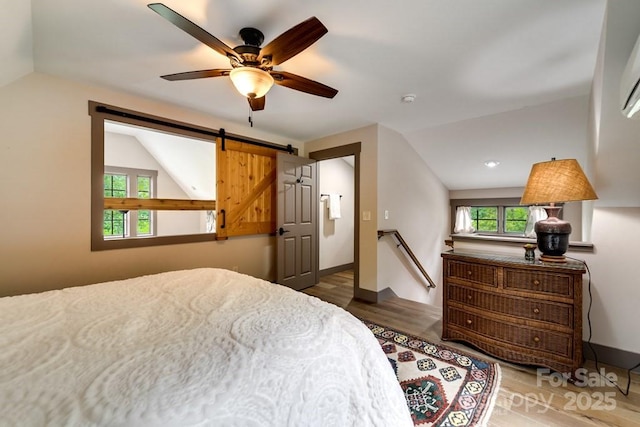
{"x":190,"y":348}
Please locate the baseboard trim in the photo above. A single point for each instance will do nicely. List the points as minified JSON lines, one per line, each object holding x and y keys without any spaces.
{"x":372,"y":296}
{"x":336,"y":269}
{"x":386,"y":294}
{"x":611,"y":356}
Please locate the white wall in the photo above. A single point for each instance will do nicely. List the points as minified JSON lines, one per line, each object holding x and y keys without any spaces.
{"x":368,"y":254}
{"x":615,"y":225}
{"x":618,"y":139}
{"x":16,"y":43}
{"x":394,"y":177}
{"x":616,"y":216}
{"x":336,"y":237}
{"x":614,"y":278}
{"x":418,"y":207}
{"x":45,"y":188}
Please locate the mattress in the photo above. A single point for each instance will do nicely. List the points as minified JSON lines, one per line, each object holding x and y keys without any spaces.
{"x":190,"y":348}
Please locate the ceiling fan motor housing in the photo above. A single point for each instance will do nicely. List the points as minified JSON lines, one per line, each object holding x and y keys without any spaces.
{"x":250,"y":50}
{"x":251,"y":36}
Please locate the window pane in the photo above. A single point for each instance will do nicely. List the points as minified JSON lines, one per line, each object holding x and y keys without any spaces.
{"x":108,"y":223}
{"x":485,"y":218}
{"x":487,"y":225}
{"x":115,"y":185}
{"x":113,"y":224}
{"x":144,"y":222}
{"x":144,"y":187}
{"x":515,"y":219}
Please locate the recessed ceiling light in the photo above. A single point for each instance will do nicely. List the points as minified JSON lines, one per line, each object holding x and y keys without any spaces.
{"x":491,"y":163}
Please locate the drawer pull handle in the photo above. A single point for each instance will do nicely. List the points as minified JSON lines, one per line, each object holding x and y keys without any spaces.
{"x":469,"y":297}
{"x":536,"y":310}
{"x":536,"y":282}
{"x":536,"y":339}
{"x":469,"y":273}
{"x":469,"y":321}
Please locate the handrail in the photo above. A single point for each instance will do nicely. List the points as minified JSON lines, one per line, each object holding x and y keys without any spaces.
{"x":406,"y":247}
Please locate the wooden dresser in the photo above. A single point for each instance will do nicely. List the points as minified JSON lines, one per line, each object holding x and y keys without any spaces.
{"x":516,"y":310}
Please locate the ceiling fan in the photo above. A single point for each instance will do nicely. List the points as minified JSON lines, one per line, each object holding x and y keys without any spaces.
{"x":252,"y":70}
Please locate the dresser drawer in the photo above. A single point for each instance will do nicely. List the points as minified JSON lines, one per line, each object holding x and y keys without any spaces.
{"x":478,"y":273}
{"x":546,"y":341}
{"x":539,"y":282}
{"x":527,"y":308}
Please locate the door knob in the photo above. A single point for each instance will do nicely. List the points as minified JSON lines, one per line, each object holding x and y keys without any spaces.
{"x":281,"y":231}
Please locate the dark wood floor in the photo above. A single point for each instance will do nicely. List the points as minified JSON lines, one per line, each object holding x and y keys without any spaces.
{"x":525,"y":399}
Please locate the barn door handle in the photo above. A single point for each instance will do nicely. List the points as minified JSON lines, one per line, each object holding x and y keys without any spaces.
{"x":281,"y":231}
{"x":224,"y":218}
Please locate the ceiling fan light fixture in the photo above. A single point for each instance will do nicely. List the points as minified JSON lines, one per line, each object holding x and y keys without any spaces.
{"x":251,"y":82}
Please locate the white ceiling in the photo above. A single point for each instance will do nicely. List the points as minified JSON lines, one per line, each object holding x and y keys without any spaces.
{"x":463,"y":59}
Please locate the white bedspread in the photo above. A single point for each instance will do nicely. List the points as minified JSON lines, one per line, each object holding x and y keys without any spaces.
{"x":186,"y":348}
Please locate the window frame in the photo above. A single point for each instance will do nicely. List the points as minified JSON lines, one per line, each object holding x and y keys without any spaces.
{"x":132,"y":188}
{"x":502,"y":239}
{"x":500,"y":203}
{"x":99,"y":113}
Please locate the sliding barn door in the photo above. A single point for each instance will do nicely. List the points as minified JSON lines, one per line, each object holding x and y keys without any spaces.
{"x":246,"y":192}
{"x":296,"y":233}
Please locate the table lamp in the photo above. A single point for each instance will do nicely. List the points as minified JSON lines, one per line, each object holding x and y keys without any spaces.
{"x":552,"y":182}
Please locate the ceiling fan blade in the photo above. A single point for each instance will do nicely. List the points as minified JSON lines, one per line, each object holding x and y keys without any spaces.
{"x":257,"y":104}
{"x":192,"y":29}
{"x":293,"y":81}
{"x":202,"y":74}
{"x":293,"y":41}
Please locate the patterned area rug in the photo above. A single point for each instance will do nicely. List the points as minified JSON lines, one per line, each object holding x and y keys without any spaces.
{"x":443,"y":386}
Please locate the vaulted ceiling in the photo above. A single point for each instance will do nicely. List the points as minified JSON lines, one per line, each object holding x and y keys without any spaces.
{"x":463,"y":59}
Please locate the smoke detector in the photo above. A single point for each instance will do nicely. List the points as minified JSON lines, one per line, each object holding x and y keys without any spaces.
{"x":408,"y":98}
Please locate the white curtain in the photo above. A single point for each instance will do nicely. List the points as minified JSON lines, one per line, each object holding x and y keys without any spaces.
{"x":463,"y":220}
{"x":211,"y":221}
{"x":536,"y":213}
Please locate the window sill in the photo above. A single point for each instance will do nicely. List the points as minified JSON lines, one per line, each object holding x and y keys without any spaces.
{"x":514,"y":241}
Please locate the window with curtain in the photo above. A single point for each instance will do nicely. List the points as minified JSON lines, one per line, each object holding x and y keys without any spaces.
{"x":504,"y":216}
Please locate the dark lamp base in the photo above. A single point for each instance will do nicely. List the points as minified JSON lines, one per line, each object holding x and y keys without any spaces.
{"x":553,"y":238}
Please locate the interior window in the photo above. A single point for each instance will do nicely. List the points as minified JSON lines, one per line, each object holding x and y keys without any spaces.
{"x":157,"y":179}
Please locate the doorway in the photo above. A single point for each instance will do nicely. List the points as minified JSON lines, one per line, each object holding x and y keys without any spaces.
{"x":338,"y":238}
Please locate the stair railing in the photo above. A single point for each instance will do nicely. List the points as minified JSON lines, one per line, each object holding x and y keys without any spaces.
{"x":409,"y":252}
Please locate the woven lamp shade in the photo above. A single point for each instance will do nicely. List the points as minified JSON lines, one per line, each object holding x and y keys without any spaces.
{"x":557,"y":181}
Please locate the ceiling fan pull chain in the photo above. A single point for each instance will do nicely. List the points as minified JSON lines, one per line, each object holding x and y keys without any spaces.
{"x":251,"y":117}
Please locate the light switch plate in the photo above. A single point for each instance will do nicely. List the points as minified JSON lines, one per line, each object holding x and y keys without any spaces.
{"x":366,"y":215}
